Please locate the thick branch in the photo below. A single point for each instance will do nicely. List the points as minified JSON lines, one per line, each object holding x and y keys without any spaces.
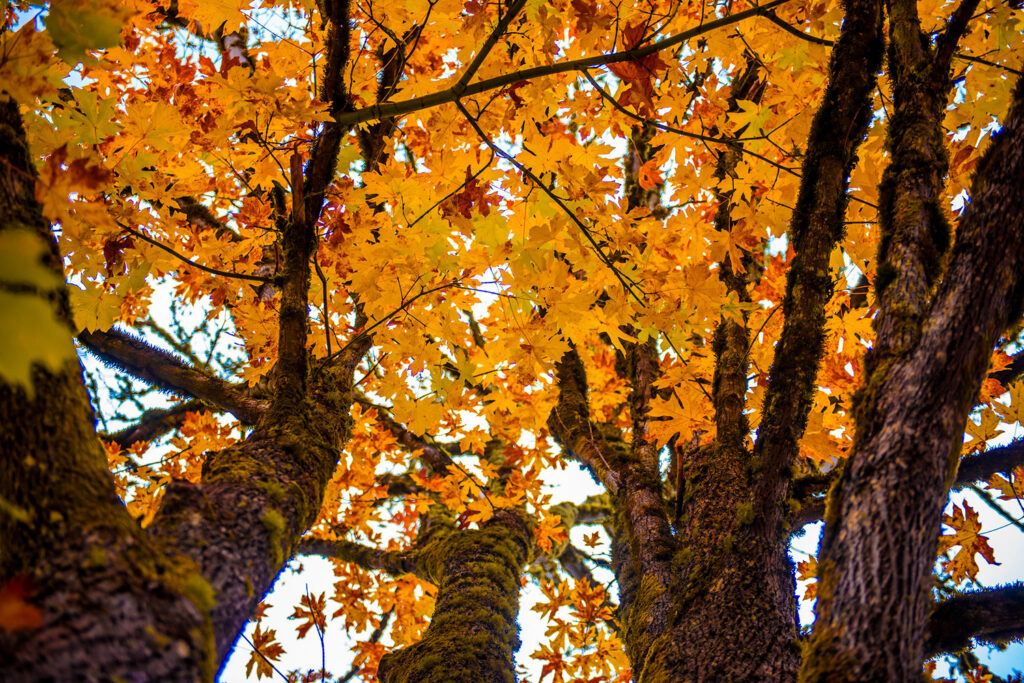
{"x":570,"y":423}
{"x":993,"y":616}
{"x":293,"y":319}
{"x":982,"y":466}
{"x":154,"y":423}
{"x":477,"y":573}
{"x":1011,"y":372}
{"x":910,"y":426}
{"x":914,"y":229}
{"x":323,"y":159}
{"x":815,"y":229}
{"x":731,"y":340}
{"x":62,"y":524}
{"x":166,"y":371}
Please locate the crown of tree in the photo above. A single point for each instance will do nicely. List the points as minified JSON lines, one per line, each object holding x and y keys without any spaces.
{"x":393,"y":265}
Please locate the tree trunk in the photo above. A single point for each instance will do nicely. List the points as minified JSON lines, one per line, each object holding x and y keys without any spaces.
{"x":882,"y":522}
{"x":473,"y":635}
{"x":111,"y":596}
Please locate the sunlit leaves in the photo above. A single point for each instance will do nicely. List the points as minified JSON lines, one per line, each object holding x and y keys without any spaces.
{"x":211,"y":15}
{"x":473,"y":274}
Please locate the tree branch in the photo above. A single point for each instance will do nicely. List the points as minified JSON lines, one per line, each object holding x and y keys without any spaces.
{"x":993,"y":616}
{"x":981,"y":466}
{"x":394,"y":562}
{"x":793,"y":30}
{"x":323,"y":158}
{"x":809,"y":491}
{"x":206,"y":269}
{"x":945,"y":44}
{"x":395,"y":109}
{"x":815,"y":228}
{"x":131,"y":354}
{"x":499,"y":30}
{"x":154,"y":423}
{"x":1011,"y":372}
{"x":908,"y":427}
{"x":570,"y":423}
{"x":627,"y":284}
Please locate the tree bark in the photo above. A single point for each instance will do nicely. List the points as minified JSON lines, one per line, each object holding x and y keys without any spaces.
{"x":882,"y":521}
{"x":111,"y":596}
{"x":473,"y":634}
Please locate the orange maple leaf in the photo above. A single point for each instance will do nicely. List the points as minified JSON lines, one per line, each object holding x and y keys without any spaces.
{"x":650,"y":175}
{"x":15,"y":613}
{"x":967,"y":535}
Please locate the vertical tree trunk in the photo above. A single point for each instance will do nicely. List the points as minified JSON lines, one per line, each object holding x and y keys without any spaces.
{"x":114,"y":604}
{"x":882,"y":523}
{"x":473,"y":634}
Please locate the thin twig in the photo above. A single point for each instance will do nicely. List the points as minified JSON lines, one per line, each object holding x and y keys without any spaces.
{"x":212,"y":271}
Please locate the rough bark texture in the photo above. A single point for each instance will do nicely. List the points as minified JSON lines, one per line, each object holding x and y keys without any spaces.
{"x":473,"y":634}
{"x":110,"y":595}
{"x":882,"y":522}
{"x":708,"y":599}
{"x":165,"y":603}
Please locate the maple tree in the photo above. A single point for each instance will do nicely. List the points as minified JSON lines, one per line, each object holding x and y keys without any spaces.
{"x":752,"y":266}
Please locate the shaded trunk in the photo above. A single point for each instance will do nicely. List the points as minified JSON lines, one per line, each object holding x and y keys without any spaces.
{"x":111,"y":597}
{"x":883,"y":517}
{"x":167,"y":602}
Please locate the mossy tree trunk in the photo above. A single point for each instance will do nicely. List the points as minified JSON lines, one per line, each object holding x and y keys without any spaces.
{"x":882,"y":522}
{"x":473,"y":635}
{"x":167,"y":602}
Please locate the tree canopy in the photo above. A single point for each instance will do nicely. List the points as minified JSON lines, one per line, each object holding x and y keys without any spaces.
{"x":391,"y":265}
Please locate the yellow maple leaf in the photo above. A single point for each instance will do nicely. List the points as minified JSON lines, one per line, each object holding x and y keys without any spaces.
{"x":211,"y":14}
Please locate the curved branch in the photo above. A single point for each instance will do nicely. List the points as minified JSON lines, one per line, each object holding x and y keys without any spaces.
{"x":991,"y":616}
{"x":166,"y":371}
{"x":570,"y":423}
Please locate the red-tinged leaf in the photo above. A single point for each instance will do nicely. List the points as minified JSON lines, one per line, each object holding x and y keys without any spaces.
{"x":650,"y":175}
{"x":16,"y":613}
